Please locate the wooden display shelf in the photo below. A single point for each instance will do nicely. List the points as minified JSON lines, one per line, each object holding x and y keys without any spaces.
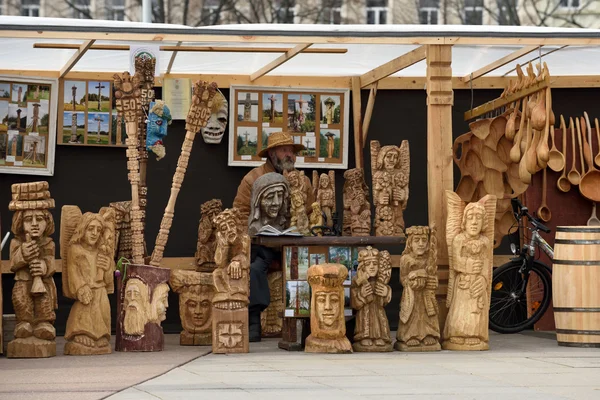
{"x":278,"y":241}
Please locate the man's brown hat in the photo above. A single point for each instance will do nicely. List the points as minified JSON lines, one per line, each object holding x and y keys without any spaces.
{"x":277,"y":139}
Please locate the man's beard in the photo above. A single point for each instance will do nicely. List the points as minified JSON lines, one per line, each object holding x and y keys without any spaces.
{"x":134,"y":321}
{"x":287,"y":164}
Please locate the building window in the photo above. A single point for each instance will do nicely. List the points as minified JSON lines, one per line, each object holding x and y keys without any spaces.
{"x":571,"y":4}
{"x":429,"y":12}
{"x":30,"y":8}
{"x":81,"y":9}
{"x":331,"y":12}
{"x":115,"y":10}
{"x":2,"y":7}
{"x":473,"y":12}
{"x":211,"y":10}
{"x":377,"y":12}
{"x":285,"y":11}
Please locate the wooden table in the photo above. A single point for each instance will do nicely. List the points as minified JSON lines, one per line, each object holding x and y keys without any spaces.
{"x":292,"y":339}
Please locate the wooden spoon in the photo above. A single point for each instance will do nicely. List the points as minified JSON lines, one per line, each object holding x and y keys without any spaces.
{"x":562,"y":183}
{"x":556,"y":160}
{"x":524,"y":174}
{"x":515,"y":152}
{"x":511,"y":124}
{"x":542,"y":148}
{"x":580,"y":147}
{"x":544,"y":212}
{"x":574,"y":176}
{"x":597,"y":159}
{"x":590,"y":182}
{"x":531,"y":155}
{"x":590,"y":154}
{"x":593,"y":221}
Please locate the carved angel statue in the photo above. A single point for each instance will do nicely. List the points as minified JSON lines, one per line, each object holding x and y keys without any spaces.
{"x":324,"y":191}
{"x":87,"y":246}
{"x":390,"y":166}
{"x":470,"y":238}
{"x":419,"y":327}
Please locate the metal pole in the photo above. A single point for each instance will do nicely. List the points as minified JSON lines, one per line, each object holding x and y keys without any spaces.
{"x":147,"y":11}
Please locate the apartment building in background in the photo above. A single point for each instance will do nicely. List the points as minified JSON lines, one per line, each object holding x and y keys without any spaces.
{"x":560,"y":13}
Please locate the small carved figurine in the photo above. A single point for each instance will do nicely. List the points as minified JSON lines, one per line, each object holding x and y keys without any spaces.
{"x":369,"y":294}
{"x":207,"y":241}
{"x":32,"y":261}
{"x":419,"y":327}
{"x":158,"y":119}
{"x":357,"y":209}
{"x":232,"y":285}
{"x":390,"y":166}
{"x":271,"y":322}
{"x":324,"y":187}
{"x":316,"y":218}
{"x":87,"y":247}
{"x":469,"y":236}
{"x":298,"y":196}
{"x":269,"y":203}
{"x":327,"y":322}
{"x":196,"y":292}
{"x":142,"y":305}
{"x":214,"y":130}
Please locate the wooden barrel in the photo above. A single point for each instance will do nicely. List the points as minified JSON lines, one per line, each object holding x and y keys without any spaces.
{"x":576,"y":286}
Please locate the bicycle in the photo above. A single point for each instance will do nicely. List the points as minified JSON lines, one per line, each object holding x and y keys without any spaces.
{"x":510,"y":309}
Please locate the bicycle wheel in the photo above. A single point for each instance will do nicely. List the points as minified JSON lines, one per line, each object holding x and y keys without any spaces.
{"x":510,"y":312}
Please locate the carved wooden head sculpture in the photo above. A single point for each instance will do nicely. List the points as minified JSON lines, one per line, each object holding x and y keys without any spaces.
{"x":195,"y":300}
{"x":136,"y":305}
{"x":214,"y":130}
{"x":270,"y":203}
{"x":159,"y":304}
{"x":327,"y":300}
{"x":228,"y":225}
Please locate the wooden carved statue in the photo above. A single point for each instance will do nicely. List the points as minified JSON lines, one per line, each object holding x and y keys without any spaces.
{"x":269,"y":203}
{"x":390,"y":166}
{"x":298,"y":197}
{"x":142,"y":303}
{"x":316,"y":218}
{"x":357,"y":209}
{"x":87,"y":249}
{"x":271,"y":322}
{"x":327,"y":322}
{"x":469,"y":236}
{"x":232,"y":285}
{"x":419,"y":327}
{"x":123,"y":228}
{"x":324,"y":188}
{"x":369,"y":295}
{"x":207,"y":241}
{"x":32,"y":261}
{"x":214,"y":130}
{"x":196,"y":293}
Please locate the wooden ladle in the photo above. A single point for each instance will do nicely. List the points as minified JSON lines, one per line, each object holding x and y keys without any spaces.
{"x":593,"y":221}
{"x":589,"y":186}
{"x":574,"y":176}
{"x":515,"y":152}
{"x":544,"y":212}
{"x":556,"y":159}
{"x":562,"y":183}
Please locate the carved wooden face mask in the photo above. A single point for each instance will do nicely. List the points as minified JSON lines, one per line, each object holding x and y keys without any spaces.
{"x":214,"y":130}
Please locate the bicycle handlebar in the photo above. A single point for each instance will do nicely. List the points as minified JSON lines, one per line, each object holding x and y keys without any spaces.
{"x":534,"y":221}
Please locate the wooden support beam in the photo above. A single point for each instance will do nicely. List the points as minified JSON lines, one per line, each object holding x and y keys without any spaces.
{"x":499,"y":63}
{"x":76,"y":57}
{"x":502,"y":101}
{"x":217,"y":49}
{"x":391,"y":67}
{"x":279,"y":61}
{"x":369,"y":113}
{"x":172,"y":60}
{"x":356,"y":116}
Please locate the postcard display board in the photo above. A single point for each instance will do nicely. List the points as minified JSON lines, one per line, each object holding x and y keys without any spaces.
{"x":88,"y":115}
{"x":316,"y":118}
{"x":27,"y":125}
{"x":298,"y":259}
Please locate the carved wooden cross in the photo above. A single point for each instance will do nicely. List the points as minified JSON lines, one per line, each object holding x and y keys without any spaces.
{"x":99,"y":87}
{"x":246,"y":134}
{"x":98,"y":119}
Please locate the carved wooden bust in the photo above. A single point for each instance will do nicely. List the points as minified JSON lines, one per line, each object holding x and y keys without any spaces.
{"x":390,"y":166}
{"x":357,"y":209}
{"x":196,"y":292}
{"x":32,"y":255}
{"x":369,"y":295}
{"x":327,"y":322}
{"x":207,"y":242}
{"x":232,"y":285}
{"x":469,"y":236}
{"x":269,"y":203}
{"x":419,"y":327}
{"x":87,"y":247}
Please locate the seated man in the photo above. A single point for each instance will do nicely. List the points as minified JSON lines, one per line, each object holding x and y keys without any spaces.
{"x":281,"y":156}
